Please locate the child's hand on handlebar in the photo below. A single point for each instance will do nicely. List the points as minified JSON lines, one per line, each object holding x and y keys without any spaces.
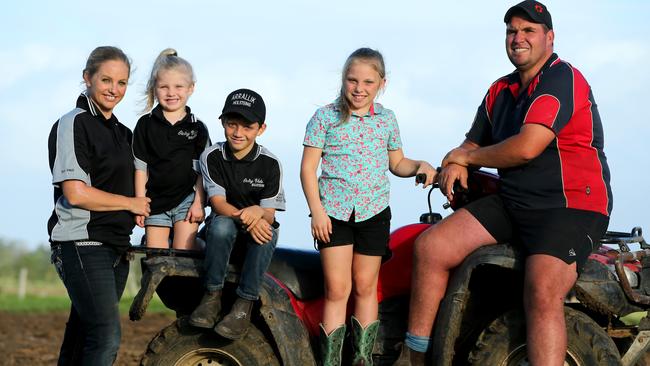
{"x":426,"y":174}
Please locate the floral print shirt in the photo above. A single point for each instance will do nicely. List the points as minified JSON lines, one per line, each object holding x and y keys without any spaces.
{"x":354,"y":160}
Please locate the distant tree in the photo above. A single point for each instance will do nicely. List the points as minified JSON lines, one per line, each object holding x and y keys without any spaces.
{"x":14,"y":255}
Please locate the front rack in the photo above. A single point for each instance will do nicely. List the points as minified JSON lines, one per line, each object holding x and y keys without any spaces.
{"x":623,"y":239}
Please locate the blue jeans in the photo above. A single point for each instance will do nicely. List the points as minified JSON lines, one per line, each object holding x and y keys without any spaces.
{"x":221,"y":235}
{"x":95,"y":277}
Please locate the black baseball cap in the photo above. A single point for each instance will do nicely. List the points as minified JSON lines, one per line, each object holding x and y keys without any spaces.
{"x":245,"y":103}
{"x":536,"y":12}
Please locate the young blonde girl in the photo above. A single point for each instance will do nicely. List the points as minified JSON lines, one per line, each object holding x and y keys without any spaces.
{"x":356,"y":140}
{"x":167,"y":143}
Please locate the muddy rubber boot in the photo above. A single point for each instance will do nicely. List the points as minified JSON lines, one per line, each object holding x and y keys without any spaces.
{"x":363,"y":340}
{"x":409,"y":357}
{"x":331,"y":346}
{"x":234,"y":326}
{"x":207,"y":313}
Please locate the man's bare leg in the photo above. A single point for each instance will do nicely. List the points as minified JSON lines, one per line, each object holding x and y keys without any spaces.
{"x":438,"y":250}
{"x":548,"y":280}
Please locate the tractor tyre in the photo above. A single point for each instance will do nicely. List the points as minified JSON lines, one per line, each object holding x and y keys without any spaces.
{"x":180,"y":344}
{"x":503,"y":342}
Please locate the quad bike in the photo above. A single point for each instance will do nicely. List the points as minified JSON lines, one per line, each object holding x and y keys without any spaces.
{"x":480,"y":320}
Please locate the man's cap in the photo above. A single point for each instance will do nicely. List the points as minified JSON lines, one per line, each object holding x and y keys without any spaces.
{"x":245,"y":103}
{"x":535,"y":11}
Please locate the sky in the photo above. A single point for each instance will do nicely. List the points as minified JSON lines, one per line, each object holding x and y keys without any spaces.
{"x":440,"y":57}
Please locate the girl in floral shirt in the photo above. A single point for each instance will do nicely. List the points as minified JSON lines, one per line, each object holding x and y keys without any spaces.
{"x":357,"y":141}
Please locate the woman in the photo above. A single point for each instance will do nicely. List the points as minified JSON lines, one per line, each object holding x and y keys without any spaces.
{"x":92,"y":173}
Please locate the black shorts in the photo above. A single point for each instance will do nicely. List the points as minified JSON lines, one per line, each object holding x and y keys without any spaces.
{"x":565,"y":233}
{"x":369,"y":237}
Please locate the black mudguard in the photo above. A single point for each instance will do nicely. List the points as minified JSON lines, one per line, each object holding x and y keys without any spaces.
{"x":289,"y":333}
{"x":184,"y":293}
{"x":452,"y":306}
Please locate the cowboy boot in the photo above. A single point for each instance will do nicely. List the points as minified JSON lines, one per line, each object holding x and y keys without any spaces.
{"x":363,"y":340}
{"x":207,"y":313}
{"x":331,"y":346}
{"x":234,"y":326}
{"x":409,"y":357}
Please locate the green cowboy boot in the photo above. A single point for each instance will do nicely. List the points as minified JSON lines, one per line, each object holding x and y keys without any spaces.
{"x":331,"y":345}
{"x":363,"y":340}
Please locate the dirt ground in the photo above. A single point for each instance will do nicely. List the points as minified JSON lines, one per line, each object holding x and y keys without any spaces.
{"x":34,"y":339}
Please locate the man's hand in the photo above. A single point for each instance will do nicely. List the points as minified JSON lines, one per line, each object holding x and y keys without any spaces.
{"x":196,"y":213}
{"x":249,"y":216}
{"x":321,"y":226}
{"x":449,"y":175}
{"x":458,"y":156}
{"x":261,"y":232}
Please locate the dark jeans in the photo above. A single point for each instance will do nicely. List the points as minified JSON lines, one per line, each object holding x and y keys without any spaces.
{"x":95,"y":277}
{"x":221,"y":236}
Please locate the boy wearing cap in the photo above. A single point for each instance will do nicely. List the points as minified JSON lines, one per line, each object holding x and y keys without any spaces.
{"x":540,"y":127}
{"x":243,"y":181}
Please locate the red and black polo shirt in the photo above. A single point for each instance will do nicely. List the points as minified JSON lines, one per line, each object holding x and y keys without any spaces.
{"x":572,"y":171}
{"x":255,"y":179}
{"x":84,"y":145}
{"x":170,"y":154}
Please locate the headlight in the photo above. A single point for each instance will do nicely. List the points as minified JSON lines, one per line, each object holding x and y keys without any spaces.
{"x":632,"y":276}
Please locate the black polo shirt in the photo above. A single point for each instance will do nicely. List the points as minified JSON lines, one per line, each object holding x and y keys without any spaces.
{"x":170,"y":154}
{"x":572,"y":171}
{"x":254,"y":180}
{"x":84,"y":145}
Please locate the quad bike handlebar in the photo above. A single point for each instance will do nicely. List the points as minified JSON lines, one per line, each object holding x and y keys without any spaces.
{"x":429,"y":217}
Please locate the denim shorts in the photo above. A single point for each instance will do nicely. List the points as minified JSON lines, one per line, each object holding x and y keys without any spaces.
{"x":169,"y":218}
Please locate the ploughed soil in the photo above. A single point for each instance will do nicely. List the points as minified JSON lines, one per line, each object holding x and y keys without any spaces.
{"x":35,"y":338}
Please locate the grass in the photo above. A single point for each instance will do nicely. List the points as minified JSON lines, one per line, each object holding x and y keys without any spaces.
{"x":52,"y":303}
{"x":49,"y":294}
{"x":33,"y":303}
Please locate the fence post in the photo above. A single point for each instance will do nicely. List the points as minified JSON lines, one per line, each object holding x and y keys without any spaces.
{"x":22,"y":283}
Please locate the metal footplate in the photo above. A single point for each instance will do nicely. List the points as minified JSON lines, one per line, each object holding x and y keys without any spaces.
{"x":640,"y":345}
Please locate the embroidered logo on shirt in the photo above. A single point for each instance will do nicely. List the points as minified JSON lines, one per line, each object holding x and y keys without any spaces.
{"x":254,"y":182}
{"x":191,"y":135}
{"x":572,"y":252}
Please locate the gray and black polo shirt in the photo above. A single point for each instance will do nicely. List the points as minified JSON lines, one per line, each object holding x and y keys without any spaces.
{"x":254,"y":180}
{"x":169,"y":153}
{"x":84,"y":145}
